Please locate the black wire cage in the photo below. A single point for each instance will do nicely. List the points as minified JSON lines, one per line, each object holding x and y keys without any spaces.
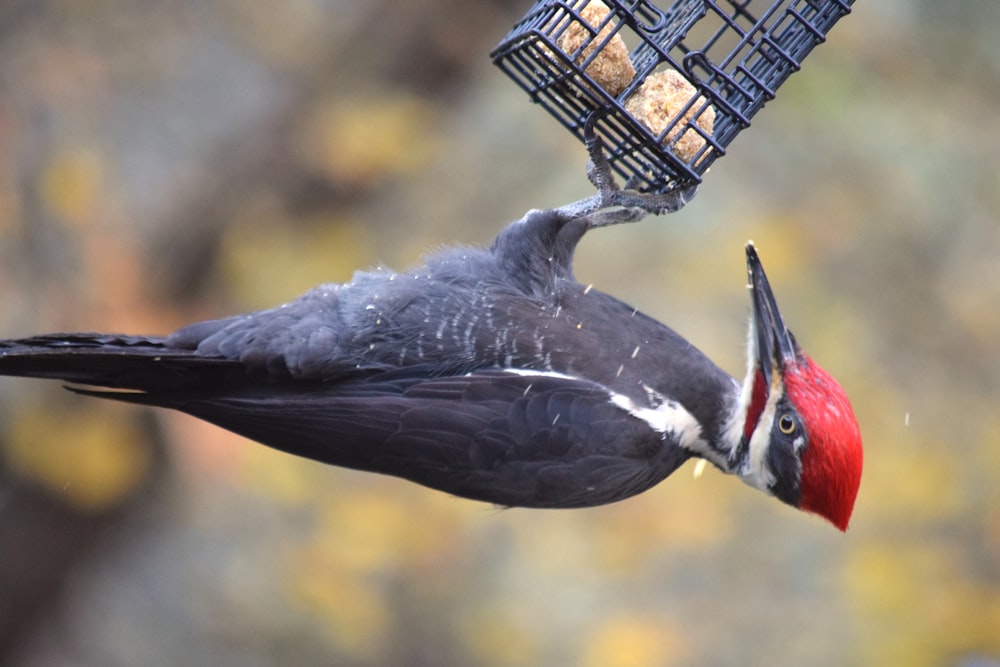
{"x":666,"y":90}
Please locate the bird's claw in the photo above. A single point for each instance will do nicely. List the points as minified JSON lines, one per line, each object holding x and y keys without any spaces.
{"x":629,"y":205}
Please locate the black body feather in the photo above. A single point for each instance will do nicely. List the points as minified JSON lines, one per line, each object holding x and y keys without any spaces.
{"x":487,"y":373}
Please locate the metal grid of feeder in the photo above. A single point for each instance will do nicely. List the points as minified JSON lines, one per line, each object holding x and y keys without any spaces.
{"x":588,"y":63}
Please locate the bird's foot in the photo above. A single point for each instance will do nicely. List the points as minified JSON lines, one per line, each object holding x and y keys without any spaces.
{"x":613,"y":203}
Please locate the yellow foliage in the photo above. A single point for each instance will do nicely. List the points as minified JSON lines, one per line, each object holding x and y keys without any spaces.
{"x":496,"y":637}
{"x":915,"y":481}
{"x":780,"y":241}
{"x":632,"y":641}
{"x":266,"y":265}
{"x":621,"y":540}
{"x":71,"y":185}
{"x":369,"y":530}
{"x":988,"y":447}
{"x":971,"y":290}
{"x":361,"y":140}
{"x":355,"y":614}
{"x":362,"y":537}
{"x":93,"y":459}
{"x":923,"y":602}
{"x":684,"y":513}
{"x":283,"y":477}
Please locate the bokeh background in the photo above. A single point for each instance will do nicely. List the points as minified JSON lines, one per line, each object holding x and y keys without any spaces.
{"x":162,"y":162}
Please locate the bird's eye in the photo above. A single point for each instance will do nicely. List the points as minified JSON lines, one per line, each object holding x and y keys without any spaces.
{"x":786,"y":424}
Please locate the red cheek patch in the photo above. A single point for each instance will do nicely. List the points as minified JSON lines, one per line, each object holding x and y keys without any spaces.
{"x":757,"y":400}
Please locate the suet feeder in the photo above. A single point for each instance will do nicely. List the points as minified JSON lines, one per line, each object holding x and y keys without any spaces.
{"x":666,"y":90}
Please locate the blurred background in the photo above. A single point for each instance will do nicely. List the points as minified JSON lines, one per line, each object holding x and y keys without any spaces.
{"x":162,"y":162}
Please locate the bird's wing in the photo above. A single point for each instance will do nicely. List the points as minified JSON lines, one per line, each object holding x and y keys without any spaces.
{"x":514,"y":439}
{"x":110,"y":360}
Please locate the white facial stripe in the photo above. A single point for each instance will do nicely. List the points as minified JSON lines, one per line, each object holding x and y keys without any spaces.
{"x":737,"y":420}
{"x":733,"y":428}
{"x":755,"y":472}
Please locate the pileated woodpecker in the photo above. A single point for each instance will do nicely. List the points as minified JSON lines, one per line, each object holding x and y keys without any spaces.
{"x":491,"y":374}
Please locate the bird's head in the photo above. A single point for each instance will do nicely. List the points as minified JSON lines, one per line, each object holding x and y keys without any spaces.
{"x":800,"y":441}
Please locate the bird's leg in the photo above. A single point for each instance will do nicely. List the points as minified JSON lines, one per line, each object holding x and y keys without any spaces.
{"x":599,"y":213}
{"x":598,"y":168}
{"x":615,"y":216}
{"x":629,"y":204}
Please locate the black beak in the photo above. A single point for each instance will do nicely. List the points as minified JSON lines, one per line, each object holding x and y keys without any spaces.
{"x":775,"y":344}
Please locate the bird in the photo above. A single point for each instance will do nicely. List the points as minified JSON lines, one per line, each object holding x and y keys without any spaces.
{"x":491,"y":373}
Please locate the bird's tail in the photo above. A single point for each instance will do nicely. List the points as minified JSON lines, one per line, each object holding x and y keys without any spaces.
{"x":138,"y":363}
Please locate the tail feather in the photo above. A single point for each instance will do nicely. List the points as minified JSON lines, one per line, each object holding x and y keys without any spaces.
{"x":120,"y":362}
